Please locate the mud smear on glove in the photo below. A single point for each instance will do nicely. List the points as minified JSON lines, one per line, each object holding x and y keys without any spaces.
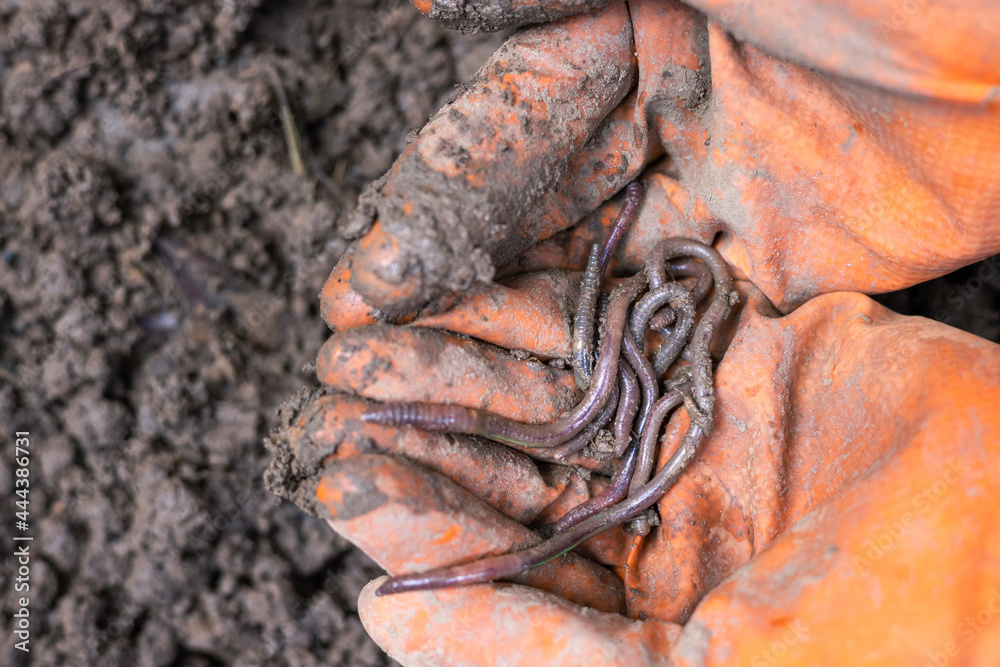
{"x":302,"y":442}
{"x":318,"y":427}
{"x":446,"y":212}
{"x":293,"y":472}
{"x":495,"y":15}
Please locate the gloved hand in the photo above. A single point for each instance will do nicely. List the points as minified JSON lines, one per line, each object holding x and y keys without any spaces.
{"x":830,"y":146}
{"x":858,"y":168}
{"x":840,"y":511}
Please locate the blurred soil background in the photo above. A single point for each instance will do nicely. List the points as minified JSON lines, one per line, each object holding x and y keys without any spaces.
{"x":160,"y":264}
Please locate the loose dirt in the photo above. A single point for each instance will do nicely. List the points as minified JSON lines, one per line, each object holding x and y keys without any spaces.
{"x":160,"y":265}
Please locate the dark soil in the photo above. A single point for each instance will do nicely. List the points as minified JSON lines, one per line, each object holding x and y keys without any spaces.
{"x":160,"y":267}
{"x":161,"y":264}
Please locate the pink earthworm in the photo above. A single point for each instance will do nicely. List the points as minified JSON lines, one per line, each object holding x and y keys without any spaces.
{"x":458,"y":419}
{"x":582,"y":357}
{"x":507,"y":565}
{"x":628,"y":407}
{"x":610,"y":507}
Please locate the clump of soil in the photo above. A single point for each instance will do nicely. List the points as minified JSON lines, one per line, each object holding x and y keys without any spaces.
{"x":160,"y":264}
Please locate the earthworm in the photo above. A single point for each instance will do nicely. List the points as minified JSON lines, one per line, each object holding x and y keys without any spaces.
{"x":507,"y":565}
{"x":635,"y":503}
{"x":680,"y":301}
{"x":650,"y":437}
{"x":550,"y":454}
{"x":602,"y":306}
{"x":582,"y":358}
{"x":628,"y":407}
{"x":646,"y":376}
{"x":682,"y":268}
{"x":691,"y":268}
{"x":683,"y":306}
{"x":613,"y":493}
{"x":629,"y":494}
{"x":633,"y":194}
{"x":656,"y":272}
{"x":704,"y":333}
{"x":457,"y":419}
{"x":650,"y":393}
{"x":640,"y":524}
{"x":662,"y":319}
{"x":583,"y":438}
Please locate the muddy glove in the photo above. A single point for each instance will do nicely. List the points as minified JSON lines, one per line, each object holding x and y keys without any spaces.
{"x":840,"y":511}
{"x":866,"y":166}
{"x":830,"y":146}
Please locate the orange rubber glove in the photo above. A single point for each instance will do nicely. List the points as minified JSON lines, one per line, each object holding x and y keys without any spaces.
{"x":861,"y":159}
{"x":840,"y":512}
{"x":828,"y":147}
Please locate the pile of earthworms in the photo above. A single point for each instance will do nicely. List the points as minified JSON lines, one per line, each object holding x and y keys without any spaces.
{"x":622,"y":388}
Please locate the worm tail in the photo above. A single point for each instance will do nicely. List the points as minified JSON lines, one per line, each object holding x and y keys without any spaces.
{"x":428,"y":416}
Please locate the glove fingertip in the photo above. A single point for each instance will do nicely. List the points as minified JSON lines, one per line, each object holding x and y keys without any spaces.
{"x":384,"y":275}
{"x":340,"y":306}
{"x":505,"y":624}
